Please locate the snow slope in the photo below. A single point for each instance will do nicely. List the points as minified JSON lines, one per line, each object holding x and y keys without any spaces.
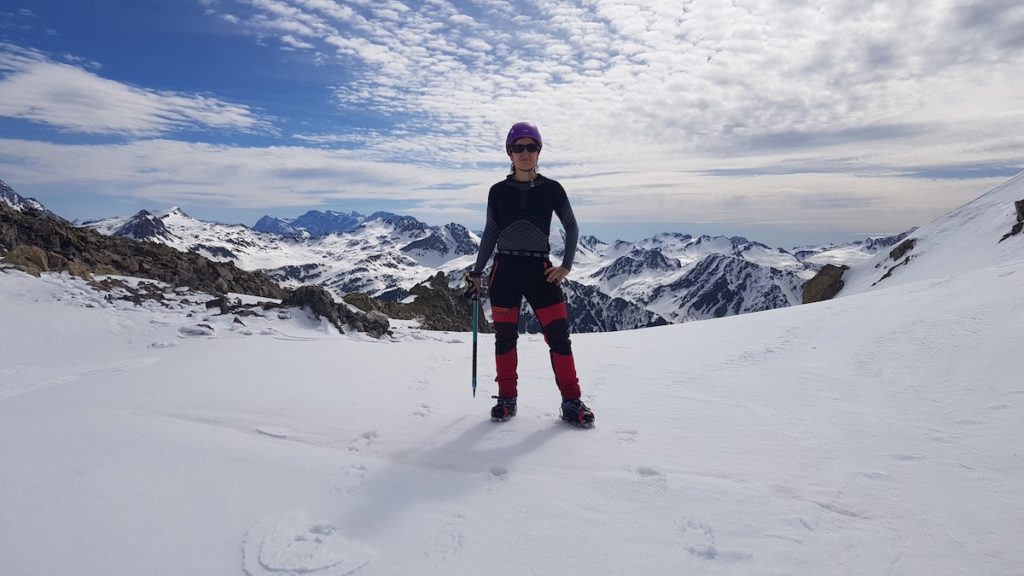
{"x":964,"y":239}
{"x":879,"y":433}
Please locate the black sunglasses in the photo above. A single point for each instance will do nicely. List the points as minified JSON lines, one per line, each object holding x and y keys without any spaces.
{"x":520,"y":148}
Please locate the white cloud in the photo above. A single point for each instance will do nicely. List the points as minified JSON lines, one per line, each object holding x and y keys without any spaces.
{"x":35,"y":88}
{"x":291,"y":42}
{"x":667,"y":78}
{"x":161,"y":173}
{"x":158,"y":172}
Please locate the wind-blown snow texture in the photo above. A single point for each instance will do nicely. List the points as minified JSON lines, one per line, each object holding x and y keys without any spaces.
{"x":877,"y":433}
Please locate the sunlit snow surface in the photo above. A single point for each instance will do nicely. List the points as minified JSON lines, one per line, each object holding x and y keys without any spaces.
{"x":877,"y":433}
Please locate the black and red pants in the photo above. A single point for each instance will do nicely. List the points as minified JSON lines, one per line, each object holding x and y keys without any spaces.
{"x":513,"y":278}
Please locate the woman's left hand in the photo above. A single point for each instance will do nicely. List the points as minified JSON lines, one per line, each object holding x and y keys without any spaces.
{"x":556,"y":274}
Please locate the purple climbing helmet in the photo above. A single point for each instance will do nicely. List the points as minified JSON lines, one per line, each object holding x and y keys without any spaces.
{"x":522,"y":130}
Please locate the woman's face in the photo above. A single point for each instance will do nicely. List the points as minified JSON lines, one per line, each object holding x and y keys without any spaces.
{"x":525,"y":160}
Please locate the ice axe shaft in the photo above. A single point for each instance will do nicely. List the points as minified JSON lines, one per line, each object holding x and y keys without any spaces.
{"x":476,"y":321}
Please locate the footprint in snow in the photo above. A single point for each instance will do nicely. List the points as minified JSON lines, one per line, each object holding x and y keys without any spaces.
{"x":699,"y":540}
{"x":162,"y":344}
{"x":627,"y":436}
{"x":291,"y":544}
{"x":647,"y":472}
{"x":651,"y":477}
{"x":449,"y":539}
{"x":362,"y":441}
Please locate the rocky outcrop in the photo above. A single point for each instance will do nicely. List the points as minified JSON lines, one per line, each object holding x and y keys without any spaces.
{"x":436,"y":306}
{"x":900,"y":251}
{"x":825,"y":284}
{"x":1018,"y":205}
{"x":37,"y":243}
{"x":319,"y":301}
{"x":35,"y":261}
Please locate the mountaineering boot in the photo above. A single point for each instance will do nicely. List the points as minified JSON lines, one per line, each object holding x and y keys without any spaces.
{"x":504,"y":409}
{"x":575,"y":412}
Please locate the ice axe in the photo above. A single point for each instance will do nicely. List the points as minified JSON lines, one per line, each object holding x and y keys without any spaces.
{"x":474,"y":298}
{"x":476,"y":321}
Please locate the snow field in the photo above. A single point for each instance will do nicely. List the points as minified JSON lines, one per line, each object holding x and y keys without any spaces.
{"x":874,"y":434}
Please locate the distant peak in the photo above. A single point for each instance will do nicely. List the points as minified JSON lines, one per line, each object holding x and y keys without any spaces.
{"x":173,"y":211}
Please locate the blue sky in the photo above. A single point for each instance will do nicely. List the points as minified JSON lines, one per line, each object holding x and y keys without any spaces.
{"x":787,"y":122}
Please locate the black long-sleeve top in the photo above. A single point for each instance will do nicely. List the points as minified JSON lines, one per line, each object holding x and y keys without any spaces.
{"x":519,"y":218}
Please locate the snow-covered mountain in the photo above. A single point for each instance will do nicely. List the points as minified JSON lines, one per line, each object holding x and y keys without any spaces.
{"x":669,"y":277}
{"x":848,"y":253}
{"x":312,"y":223}
{"x":682,"y":277}
{"x":18,"y":202}
{"x":720,"y":285}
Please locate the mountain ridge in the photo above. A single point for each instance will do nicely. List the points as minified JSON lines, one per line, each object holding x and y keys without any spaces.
{"x":620,"y":285}
{"x":670,"y":277}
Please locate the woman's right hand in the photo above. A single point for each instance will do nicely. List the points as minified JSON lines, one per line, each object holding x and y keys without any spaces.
{"x":474,"y":285}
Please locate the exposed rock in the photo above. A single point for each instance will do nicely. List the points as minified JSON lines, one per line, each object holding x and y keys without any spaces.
{"x":436,"y":306}
{"x":442,"y":307}
{"x":373,"y":323}
{"x":35,"y":242}
{"x":900,"y":250}
{"x":319,"y":301}
{"x":298,"y":273}
{"x":1019,"y":226}
{"x":825,"y":284}
{"x":143,"y":226}
{"x":30,"y":259}
{"x":214,"y":251}
{"x":221,"y":303}
{"x":145,"y":291}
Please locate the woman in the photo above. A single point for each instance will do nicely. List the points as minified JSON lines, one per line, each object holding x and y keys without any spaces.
{"x":519,"y":210}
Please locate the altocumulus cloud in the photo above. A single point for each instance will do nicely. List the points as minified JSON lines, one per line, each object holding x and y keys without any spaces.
{"x":69,"y":97}
{"x":720,"y":78}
